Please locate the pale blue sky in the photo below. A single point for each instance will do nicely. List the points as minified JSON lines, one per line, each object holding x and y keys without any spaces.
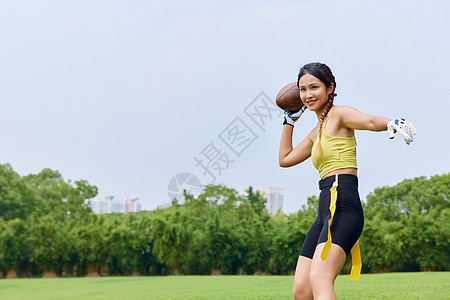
{"x":125,"y":94}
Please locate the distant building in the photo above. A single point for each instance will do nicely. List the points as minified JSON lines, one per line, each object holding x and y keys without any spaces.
{"x":109,"y":204}
{"x":114,"y":206}
{"x":98,"y":206}
{"x":132,"y":204}
{"x":275,"y":197}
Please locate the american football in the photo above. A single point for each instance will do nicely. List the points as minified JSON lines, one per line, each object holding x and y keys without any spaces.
{"x":288,"y":98}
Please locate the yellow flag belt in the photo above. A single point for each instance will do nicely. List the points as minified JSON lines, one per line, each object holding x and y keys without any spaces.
{"x":355,"y":251}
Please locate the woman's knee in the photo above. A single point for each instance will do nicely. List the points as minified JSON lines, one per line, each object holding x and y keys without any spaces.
{"x":302,"y":290}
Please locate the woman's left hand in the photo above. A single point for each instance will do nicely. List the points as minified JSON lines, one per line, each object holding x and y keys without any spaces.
{"x":404,"y":128}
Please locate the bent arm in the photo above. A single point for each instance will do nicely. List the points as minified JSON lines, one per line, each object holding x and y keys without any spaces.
{"x":289,"y":157}
{"x":354,"y":119}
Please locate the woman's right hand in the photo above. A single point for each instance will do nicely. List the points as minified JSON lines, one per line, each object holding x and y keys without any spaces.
{"x":291,"y":117}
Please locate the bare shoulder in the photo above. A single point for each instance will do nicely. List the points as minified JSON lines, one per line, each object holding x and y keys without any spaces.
{"x":344,"y":110}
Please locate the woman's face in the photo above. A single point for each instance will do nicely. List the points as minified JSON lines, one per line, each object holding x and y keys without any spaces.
{"x":313,"y":92}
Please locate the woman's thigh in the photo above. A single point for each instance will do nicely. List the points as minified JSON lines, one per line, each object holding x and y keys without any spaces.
{"x":329,"y":269}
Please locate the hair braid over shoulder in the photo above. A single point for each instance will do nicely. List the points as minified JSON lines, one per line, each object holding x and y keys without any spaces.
{"x":325,"y":112}
{"x":323,"y":117}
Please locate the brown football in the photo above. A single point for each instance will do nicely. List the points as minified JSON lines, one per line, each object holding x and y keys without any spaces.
{"x":288,"y":98}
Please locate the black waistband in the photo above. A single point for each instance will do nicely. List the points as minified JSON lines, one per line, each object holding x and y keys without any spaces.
{"x":328,"y":181}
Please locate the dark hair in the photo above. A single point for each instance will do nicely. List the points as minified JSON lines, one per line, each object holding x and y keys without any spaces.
{"x":324,"y":74}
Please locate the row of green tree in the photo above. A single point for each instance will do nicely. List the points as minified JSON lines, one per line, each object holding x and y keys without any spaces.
{"x":47,"y":228}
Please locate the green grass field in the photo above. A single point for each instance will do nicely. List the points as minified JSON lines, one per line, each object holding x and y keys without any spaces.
{"x":369,"y":286}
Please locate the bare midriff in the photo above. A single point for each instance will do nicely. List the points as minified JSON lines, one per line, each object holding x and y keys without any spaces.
{"x":351,"y":171}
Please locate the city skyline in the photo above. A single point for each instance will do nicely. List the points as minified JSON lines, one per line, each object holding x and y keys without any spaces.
{"x":109,"y":204}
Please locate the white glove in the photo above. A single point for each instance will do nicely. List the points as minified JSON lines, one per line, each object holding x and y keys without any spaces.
{"x":291,"y":117}
{"x":404,"y":128}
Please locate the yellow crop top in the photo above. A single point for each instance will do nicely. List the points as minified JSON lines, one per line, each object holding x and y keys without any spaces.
{"x":335,"y":153}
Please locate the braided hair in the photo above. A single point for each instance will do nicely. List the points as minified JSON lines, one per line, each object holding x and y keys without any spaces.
{"x":324,"y":74}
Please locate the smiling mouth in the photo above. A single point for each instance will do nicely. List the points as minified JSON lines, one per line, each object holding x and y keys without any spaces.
{"x":310,"y":102}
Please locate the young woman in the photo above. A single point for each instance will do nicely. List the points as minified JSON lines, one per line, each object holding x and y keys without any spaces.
{"x":332,"y":147}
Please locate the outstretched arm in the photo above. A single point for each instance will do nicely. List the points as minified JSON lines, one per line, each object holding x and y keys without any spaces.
{"x":354,"y":119}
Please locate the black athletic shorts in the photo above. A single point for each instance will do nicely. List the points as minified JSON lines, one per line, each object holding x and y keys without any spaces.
{"x":348,"y":220}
